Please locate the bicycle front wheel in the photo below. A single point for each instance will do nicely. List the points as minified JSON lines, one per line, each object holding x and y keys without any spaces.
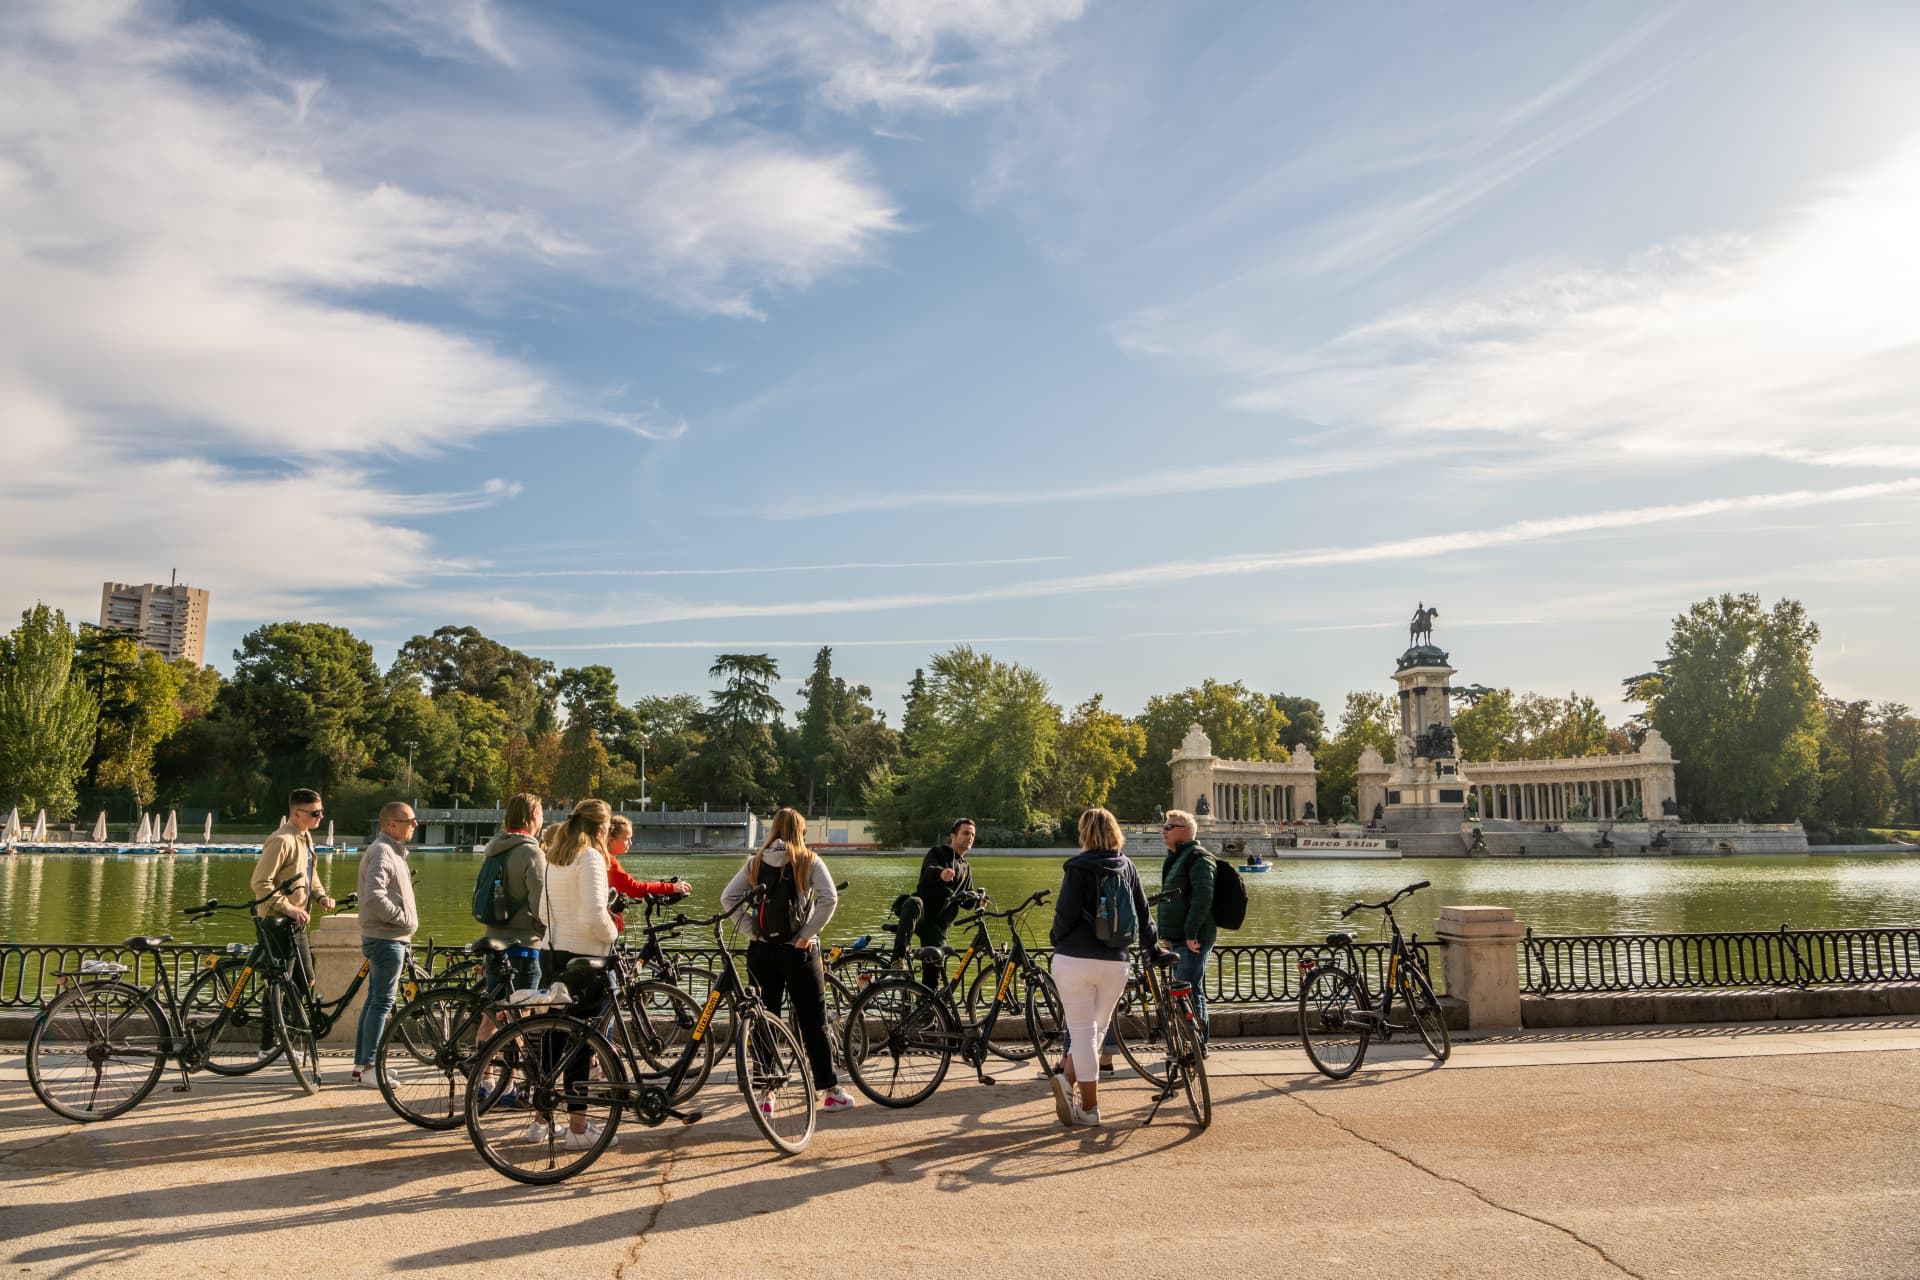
{"x":426,"y":1056}
{"x":847,"y":977}
{"x":1189,"y":1061}
{"x":293,"y":1023}
{"x":1334,"y":1038}
{"x":1428,"y":1020}
{"x":1139,"y":1030}
{"x":773,"y":1073}
{"x":1046,"y":1020}
{"x":97,"y":1050}
{"x":909,"y":1034}
{"x":986,"y":984}
{"x":662,"y":1023}
{"x":563,"y":1109}
{"x":246,"y":1041}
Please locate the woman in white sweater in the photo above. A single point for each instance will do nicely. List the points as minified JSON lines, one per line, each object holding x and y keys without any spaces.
{"x":574,"y":906}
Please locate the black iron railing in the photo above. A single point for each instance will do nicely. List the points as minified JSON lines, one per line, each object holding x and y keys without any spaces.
{"x":1239,"y":974}
{"x":1691,"y":961}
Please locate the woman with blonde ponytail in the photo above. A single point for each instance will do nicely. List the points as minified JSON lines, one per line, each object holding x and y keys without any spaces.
{"x":783,"y":956}
{"x":577,"y":925}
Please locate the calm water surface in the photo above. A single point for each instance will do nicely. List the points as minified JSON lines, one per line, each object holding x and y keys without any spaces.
{"x":76,"y":898}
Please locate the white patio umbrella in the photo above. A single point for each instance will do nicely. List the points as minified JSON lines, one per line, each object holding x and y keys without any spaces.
{"x":100,"y":828}
{"x":11,"y":831}
{"x":329,"y":833}
{"x":40,"y":827}
{"x":172,"y":834}
{"x":206,"y":832}
{"x":145,"y":834}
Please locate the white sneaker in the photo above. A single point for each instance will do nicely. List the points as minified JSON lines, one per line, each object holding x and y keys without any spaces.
{"x":587,"y":1137}
{"x":1057,"y":1081}
{"x":836,"y":1099}
{"x":538,"y":1131}
{"x":1085,"y":1117}
{"x":764,"y":1101}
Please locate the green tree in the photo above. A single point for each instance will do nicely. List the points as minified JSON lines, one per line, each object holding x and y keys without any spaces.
{"x":670,"y":724}
{"x":1856,"y":788}
{"x":461,"y":659}
{"x":841,"y":738}
{"x":417,"y":733}
{"x":1242,"y":724}
{"x":125,"y":755}
{"x":1367,"y":720}
{"x":479,"y":774}
{"x":47,"y":716}
{"x":740,"y":759}
{"x":1306,"y":722}
{"x":1488,"y":729}
{"x":307,"y":693}
{"x":1736,"y":698}
{"x":1552,"y":728}
{"x":1902,"y":730}
{"x":982,"y":749}
{"x":583,"y":761}
{"x":1095,"y":749}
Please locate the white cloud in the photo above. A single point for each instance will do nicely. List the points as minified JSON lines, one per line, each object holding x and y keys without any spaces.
{"x":1799,"y":343}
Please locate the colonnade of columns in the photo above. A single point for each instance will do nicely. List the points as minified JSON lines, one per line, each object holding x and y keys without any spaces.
{"x":1255,"y":802}
{"x":1554,"y":801}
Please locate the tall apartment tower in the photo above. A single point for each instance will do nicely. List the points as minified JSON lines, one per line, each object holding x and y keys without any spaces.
{"x":171,"y":620}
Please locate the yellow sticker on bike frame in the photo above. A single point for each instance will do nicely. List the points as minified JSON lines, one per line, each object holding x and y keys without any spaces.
{"x":1393,"y":971}
{"x":706,"y":1015}
{"x":239,"y":986}
{"x":1006,"y":980}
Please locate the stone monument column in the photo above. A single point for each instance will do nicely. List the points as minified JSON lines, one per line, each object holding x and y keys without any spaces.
{"x":1426,"y":790}
{"x":1193,"y":766}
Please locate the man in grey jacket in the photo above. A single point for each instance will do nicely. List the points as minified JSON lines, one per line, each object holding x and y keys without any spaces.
{"x":518,"y":967}
{"x":388,"y":919}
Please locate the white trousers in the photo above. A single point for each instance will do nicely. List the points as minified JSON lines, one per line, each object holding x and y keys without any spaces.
{"x":1088,"y":991}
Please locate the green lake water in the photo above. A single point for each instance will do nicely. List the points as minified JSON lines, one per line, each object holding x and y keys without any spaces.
{"x":83,"y":898}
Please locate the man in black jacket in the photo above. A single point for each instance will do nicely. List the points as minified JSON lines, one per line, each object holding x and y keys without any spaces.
{"x":945,"y":875}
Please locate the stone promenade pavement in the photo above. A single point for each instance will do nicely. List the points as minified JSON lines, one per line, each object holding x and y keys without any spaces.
{"x":1777,"y":1150}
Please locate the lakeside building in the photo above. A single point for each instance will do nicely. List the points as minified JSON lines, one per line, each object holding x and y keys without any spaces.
{"x":171,"y":620}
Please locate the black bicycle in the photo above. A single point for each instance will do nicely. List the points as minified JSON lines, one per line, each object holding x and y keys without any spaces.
{"x":1337,"y":1014}
{"x":546,"y":1093}
{"x":100,"y":1045}
{"x":1183,"y":1047}
{"x":902,"y":1035}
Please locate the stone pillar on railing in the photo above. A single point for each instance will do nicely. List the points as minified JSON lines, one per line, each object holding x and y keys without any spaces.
{"x":336,"y":959}
{"x":1483,"y":964}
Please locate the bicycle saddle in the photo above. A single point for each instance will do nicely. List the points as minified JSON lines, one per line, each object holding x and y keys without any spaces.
{"x":588,"y":964}
{"x":147,"y":944}
{"x":1164,"y":959}
{"x":1340,"y":939}
{"x":932,"y":955}
{"x":484,"y":946}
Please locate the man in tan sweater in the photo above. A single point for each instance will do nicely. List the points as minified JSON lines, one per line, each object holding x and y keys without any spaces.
{"x":287,"y":854}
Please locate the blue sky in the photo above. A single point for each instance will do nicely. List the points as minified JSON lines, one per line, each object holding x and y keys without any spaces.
{"x":1135,"y":342}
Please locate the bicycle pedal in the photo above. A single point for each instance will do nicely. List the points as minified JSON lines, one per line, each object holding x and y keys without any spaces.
{"x":183,"y":1088}
{"x":687,"y":1117}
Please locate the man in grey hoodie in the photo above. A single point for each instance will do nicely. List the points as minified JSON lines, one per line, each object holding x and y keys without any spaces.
{"x":518,"y":967}
{"x":388,"y":919}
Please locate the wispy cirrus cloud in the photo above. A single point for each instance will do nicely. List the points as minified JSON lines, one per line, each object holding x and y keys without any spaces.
{"x":1184,"y":571}
{"x":842,"y":566}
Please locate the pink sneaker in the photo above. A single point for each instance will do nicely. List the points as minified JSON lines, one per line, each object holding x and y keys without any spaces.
{"x":836,"y":1099}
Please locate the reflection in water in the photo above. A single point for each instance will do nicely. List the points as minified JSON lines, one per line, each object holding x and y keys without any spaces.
{"x":80,"y":898}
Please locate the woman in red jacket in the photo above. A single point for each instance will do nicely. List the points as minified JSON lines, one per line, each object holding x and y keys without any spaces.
{"x":619,"y":836}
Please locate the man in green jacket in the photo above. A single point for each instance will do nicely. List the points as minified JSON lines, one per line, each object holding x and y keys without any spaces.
{"x":1185,"y":920}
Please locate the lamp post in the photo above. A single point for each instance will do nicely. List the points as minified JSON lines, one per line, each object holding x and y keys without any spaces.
{"x":829,"y":831}
{"x":412,"y":783}
{"x":645,"y":742}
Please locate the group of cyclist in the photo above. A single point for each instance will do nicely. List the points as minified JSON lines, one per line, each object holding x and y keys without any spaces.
{"x":563,"y":887}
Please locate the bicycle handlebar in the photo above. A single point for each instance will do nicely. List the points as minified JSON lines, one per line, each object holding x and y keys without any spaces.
{"x":1382,"y":906}
{"x":1034,"y":899}
{"x":212,"y":905}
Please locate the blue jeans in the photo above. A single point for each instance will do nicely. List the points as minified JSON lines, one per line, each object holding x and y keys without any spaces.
{"x":383,"y":979}
{"x":515,"y":969}
{"x":1191,"y":967}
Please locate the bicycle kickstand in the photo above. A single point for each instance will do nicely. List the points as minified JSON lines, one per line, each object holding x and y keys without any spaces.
{"x":186,"y":1080}
{"x":1158,"y":1098}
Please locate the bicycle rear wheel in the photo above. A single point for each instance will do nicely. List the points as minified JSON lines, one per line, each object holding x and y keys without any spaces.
{"x":1428,"y":1020}
{"x":1189,"y":1061}
{"x":847,"y":977}
{"x":426,"y":1057}
{"x":1138,"y":1028}
{"x":772,"y":1068}
{"x":661,"y":1022}
{"x":246,"y":1042}
{"x":1335,"y":1040}
{"x":909,"y":1034}
{"x":97,"y":1050}
{"x":980,"y":995}
{"x":1046,"y":1020}
{"x":564,"y":1073}
{"x":293,"y":1023}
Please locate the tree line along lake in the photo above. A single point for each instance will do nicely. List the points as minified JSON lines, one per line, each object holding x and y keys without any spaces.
{"x":106,"y":898}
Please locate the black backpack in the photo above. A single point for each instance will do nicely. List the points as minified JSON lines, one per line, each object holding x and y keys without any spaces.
{"x":1229,"y":895}
{"x":492,"y":905}
{"x":783,"y":910}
